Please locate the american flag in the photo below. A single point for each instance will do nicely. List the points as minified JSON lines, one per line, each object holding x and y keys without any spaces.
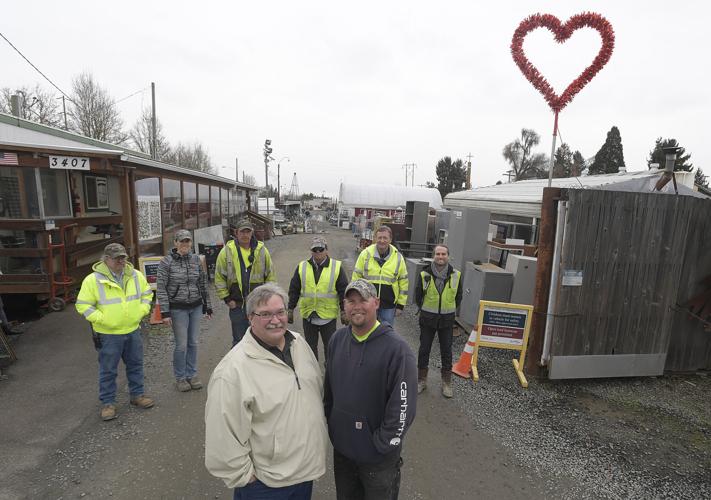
{"x":8,"y":158}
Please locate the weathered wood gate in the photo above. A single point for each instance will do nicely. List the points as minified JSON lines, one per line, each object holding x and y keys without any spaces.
{"x":635,"y":252}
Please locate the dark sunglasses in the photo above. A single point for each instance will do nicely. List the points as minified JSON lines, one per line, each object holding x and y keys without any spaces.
{"x":318,"y":250}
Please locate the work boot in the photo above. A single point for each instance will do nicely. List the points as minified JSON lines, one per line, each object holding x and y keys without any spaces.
{"x":108,"y":412}
{"x":195,"y":383}
{"x":447,"y":384}
{"x":9,"y":330}
{"x":142,"y":401}
{"x":183,"y":385}
{"x":421,"y":380}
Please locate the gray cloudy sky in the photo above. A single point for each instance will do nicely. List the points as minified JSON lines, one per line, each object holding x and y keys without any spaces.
{"x":351,"y":91}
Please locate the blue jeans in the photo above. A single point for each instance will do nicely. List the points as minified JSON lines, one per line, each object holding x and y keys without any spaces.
{"x":260,"y":491}
{"x":240,"y":323}
{"x":186,"y":329}
{"x":387,"y":316}
{"x":129,"y":348}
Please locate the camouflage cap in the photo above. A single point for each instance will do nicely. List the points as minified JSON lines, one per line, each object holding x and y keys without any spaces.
{"x":243,"y":224}
{"x":183,"y":234}
{"x":318,"y":242}
{"x":114,"y":250}
{"x":364,"y":287}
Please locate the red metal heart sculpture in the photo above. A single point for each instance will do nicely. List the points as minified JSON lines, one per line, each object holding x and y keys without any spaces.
{"x":562,"y":32}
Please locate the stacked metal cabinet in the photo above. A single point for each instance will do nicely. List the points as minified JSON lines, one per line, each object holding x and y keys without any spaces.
{"x":467,"y":236}
{"x":524,"y":278}
{"x":483,"y":282}
{"x":441,"y":226}
{"x":414,"y":268}
{"x":416,"y":219}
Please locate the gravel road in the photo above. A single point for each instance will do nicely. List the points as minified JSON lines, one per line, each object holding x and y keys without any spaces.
{"x":621,"y":438}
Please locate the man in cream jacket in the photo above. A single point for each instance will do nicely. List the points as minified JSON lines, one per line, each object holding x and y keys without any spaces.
{"x":265,"y":431}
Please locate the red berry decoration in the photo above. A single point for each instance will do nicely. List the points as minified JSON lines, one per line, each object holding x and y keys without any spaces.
{"x":562,"y":32}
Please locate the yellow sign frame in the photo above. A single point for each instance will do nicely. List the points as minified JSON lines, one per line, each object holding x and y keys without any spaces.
{"x":485,"y":305}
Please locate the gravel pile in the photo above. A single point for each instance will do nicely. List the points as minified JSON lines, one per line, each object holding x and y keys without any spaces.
{"x":607,"y":438}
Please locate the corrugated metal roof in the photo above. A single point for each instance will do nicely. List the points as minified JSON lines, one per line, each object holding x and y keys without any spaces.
{"x":16,"y":132}
{"x":386,"y":196}
{"x":523,"y":198}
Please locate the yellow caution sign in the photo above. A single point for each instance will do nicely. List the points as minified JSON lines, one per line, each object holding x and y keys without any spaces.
{"x":503,"y":326}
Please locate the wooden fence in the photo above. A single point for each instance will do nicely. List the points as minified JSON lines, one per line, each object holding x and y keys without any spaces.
{"x":639,"y":255}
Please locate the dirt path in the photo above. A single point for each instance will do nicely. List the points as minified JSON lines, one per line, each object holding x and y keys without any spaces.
{"x":493,"y":440}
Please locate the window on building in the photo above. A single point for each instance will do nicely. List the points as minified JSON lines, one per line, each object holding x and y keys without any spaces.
{"x":225,"y":212}
{"x":18,"y":193}
{"x":204,"y":205}
{"x":149,"y":220}
{"x":190,"y":205}
{"x":172,"y":211}
{"x":96,"y":192}
{"x":214,"y":206}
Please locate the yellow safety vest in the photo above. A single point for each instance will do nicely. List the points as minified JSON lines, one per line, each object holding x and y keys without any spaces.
{"x":322,"y":296}
{"x":435,"y":303}
{"x":228,"y":269}
{"x":393,"y":272}
{"x":114,"y":308}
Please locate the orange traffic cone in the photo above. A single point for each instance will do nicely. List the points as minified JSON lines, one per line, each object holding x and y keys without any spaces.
{"x":156,"y":318}
{"x":463,"y":366}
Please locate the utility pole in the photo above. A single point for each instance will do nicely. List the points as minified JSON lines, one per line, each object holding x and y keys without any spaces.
{"x":64,"y":108}
{"x":469,"y":171}
{"x":236,"y":169}
{"x":405,"y":166}
{"x":154,"y":146}
{"x":267,"y":151}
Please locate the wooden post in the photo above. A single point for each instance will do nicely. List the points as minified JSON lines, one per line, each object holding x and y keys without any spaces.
{"x":546,"y":241}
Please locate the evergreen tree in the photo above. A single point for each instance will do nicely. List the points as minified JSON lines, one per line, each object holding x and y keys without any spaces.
{"x":563,"y":161}
{"x":610,"y":158}
{"x":701,"y":179}
{"x":578,"y":164}
{"x":656,"y":155}
{"x":451,"y":175}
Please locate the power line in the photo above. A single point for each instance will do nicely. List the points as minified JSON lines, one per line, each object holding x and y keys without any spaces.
{"x":129,"y":96}
{"x":35,"y":67}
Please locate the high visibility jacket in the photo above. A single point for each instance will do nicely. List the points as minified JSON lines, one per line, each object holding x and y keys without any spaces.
{"x":433,"y":301}
{"x":114,"y":308}
{"x":322,"y":296}
{"x":393,"y":274}
{"x":228,"y":270}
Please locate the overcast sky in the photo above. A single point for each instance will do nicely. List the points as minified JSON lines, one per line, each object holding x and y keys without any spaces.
{"x":352,"y":91}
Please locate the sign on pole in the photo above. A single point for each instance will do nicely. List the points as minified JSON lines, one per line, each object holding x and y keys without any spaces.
{"x":503,"y":326}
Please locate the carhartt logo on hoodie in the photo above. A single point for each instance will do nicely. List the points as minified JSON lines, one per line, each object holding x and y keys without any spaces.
{"x":403,"y":414}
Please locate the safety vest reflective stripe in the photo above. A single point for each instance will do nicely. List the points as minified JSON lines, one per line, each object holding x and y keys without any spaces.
{"x":103,"y":300}
{"x":331,"y":290}
{"x":435,"y":303}
{"x":89,"y":311}
{"x":230,"y":267}
{"x":233,"y":276}
{"x":379,"y":277}
{"x":312,"y":290}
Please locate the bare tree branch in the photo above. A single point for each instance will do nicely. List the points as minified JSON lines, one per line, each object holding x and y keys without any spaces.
{"x":93,"y":113}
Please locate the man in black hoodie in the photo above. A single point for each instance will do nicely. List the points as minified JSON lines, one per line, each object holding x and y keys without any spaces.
{"x":370,"y":396}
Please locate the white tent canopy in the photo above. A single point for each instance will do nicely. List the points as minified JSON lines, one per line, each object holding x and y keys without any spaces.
{"x":523,"y":198}
{"x":386,"y":196}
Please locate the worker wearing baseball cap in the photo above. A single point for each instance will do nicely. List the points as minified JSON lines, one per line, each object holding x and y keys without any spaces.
{"x":114,"y":298}
{"x":242,"y":265}
{"x":318,"y":286}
